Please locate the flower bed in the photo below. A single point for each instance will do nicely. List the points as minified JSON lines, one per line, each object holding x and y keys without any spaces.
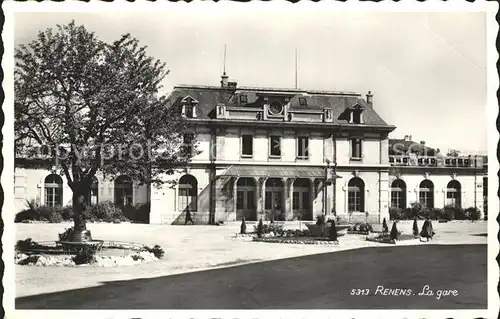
{"x":45,"y":254}
{"x":296,"y":240}
{"x":387,"y":239}
{"x":362,"y":232}
{"x":247,"y":235}
{"x":100,"y":261}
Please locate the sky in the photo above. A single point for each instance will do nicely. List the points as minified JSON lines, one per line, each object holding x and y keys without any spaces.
{"x":427,"y":71}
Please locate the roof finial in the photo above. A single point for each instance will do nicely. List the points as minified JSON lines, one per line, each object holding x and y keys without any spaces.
{"x":224,"y":77}
{"x":295,"y":67}
{"x":224,"y":60}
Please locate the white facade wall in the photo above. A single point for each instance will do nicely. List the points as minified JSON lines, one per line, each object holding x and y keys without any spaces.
{"x":29,"y":185}
{"x":471,"y":188}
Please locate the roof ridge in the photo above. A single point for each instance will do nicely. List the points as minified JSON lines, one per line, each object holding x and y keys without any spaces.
{"x":269,"y":89}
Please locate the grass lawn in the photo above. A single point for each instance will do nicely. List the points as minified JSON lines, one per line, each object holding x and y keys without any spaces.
{"x":322,"y":281}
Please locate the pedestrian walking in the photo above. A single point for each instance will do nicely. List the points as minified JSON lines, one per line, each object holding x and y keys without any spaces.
{"x":427,"y":231}
{"x":188,"y":217}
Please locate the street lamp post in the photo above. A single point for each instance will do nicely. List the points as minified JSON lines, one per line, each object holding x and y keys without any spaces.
{"x":325,"y":187}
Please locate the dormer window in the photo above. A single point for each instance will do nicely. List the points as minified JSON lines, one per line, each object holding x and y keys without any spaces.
{"x":302,"y":101}
{"x":243,"y":99}
{"x":356,"y":113}
{"x":356,"y":117}
{"x":189,"y":107}
{"x":189,"y":111}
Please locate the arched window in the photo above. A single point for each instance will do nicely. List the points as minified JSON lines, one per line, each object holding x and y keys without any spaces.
{"x":53,"y":190}
{"x":453,"y":193}
{"x":94,"y":192}
{"x":123,"y":191}
{"x":188,"y":193}
{"x":398,"y":194}
{"x":356,"y":195}
{"x":426,"y":193}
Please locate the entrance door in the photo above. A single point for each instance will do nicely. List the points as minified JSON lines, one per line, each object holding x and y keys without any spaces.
{"x":274,"y":203}
{"x":246,"y":199}
{"x":274,"y":199}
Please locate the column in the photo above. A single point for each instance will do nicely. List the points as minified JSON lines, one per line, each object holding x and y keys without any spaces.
{"x":235,"y":195}
{"x":312,"y":197}
{"x":288,"y":183}
{"x":262,"y":206}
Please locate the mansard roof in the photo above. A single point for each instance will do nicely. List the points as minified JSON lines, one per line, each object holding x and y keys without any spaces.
{"x":340,"y":103}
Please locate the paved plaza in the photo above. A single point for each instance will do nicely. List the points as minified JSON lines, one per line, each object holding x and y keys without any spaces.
{"x":456,"y":258}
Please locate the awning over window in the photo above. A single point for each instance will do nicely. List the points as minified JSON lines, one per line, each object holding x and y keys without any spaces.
{"x":275,"y":171}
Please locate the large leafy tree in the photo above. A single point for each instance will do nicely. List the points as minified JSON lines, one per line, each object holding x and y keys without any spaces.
{"x":95,"y":106}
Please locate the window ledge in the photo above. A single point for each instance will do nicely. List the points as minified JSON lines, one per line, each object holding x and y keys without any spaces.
{"x":275,"y":156}
{"x":356,"y":159}
{"x":302,"y":158}
{"x":246,"y":156}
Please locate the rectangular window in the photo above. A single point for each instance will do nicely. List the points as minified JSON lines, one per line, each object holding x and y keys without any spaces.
{"x":296,"y":200}
{"x":187,"y":199}
{"x":188,"y":143}
{"x":240,"y":200}
{"x":426,"y":199}
{"x":269,"y":200}
{"x":356,"y":148}
{"x":250,"y":200}
{"x":305,"y":200}
{"x":452,"y":198}
{"x":189,"y":110}
{"x":247,"y":145}
{"x":356,"y":117}
{"x":302,"y":101}
{"x":275,"y":146}
{"x":243,"y":99}
{"x":396,"y":199}
{"x":303,"y":147}
{"x":354,"y":201}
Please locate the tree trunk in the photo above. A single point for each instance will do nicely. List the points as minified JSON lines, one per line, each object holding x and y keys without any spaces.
{"x":80,"y":199}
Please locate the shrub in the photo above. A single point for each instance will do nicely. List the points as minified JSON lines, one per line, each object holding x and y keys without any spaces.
{"x":54,"y":217}
{"x":142,"y":213}
{"x":29,"y":260}
{"x":85,"y":255}
{"x":39,"y":213}
{"x":156,"y":250}
{"x":395,"y":213}
{"x":394,"y":231}
{"x":260,"y":228}
{"x":137,"y":257}
{"x":66,"y":234}
{"x":105,"y":211}
{"x":333,"y":232}
{"x":320,"y":220}
{"x":415,"y":227}
{"x":452,"y":212}
{"x":434,"y":213}
{"x":366,"y":227}
{"x":26,"y":244}
{"x":473,"y":213}
{"x":385,"y":229}
{"x":243,"y":227}
{"x":67,"y":212}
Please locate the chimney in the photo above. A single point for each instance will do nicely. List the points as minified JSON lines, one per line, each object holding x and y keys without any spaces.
{"x":407,"y":138}
{"x":224,"y":80}
{"x":369,"y":98}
